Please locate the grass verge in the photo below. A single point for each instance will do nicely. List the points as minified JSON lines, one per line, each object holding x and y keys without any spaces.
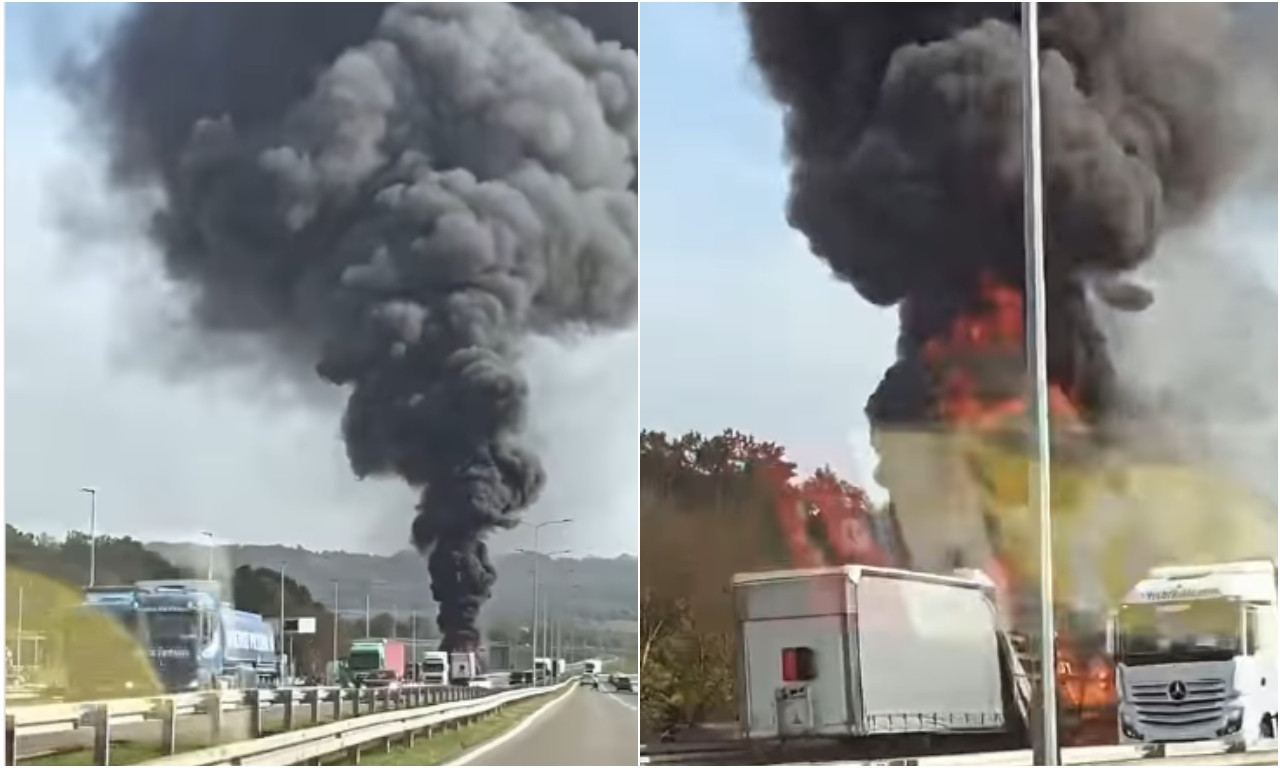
{"x":439,"y":749}
{"x":134,"y":752}
{"x":450,"y":745}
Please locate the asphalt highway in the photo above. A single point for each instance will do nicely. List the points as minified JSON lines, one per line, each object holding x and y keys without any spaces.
{"x":584,"y":727}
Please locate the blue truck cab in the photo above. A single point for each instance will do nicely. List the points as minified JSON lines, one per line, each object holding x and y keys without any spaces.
{"x":191,"y":639}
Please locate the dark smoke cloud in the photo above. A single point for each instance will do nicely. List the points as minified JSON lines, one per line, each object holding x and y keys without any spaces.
{"x":397,"y":195}
{"x":903,"y":128}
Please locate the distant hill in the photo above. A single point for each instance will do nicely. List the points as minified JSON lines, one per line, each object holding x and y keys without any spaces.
{"x":593,"y":591}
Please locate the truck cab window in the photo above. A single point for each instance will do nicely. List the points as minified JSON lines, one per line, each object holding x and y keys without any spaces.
{"x":1250,"y":630}
{"x":798,"y":665}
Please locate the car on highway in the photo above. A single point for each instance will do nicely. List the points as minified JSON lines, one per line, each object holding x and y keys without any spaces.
{"x":589,"y":679}
{"x":622,"y":683}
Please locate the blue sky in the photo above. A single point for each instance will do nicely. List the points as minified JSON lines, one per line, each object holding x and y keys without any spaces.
{"x":741,"y":327}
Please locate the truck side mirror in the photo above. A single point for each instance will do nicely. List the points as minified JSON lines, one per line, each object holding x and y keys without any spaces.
{"x":1111,"y":636}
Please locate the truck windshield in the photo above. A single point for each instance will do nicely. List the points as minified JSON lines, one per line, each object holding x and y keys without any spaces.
{"x":165,"y":625}
{"x":1166,"y":633}
{"x":434,"y":665}
{"x":364,"y":660}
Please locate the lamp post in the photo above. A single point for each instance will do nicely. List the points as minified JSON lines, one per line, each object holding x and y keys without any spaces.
{"x":209,"y":535}
{"x":281,"y":655}
{"x":372,"y":583}
{"x":333,"y":660}
{"x":536,"y":557}
{"x":93,"y":534}
{"x":1036,"y":339}
{"x":21,"y":596}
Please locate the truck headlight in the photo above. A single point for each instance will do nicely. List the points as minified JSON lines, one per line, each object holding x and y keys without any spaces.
{"x":1127,"y":726}
{"x":1235,"y":719}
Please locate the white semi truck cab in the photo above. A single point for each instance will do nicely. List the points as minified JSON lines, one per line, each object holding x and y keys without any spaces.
{"x":1195,"y":653}
{"x":435,"y":668}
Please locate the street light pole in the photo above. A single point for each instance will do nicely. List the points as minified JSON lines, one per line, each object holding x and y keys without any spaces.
{"x":334,"y":658}
{"x":93,"y":534}
{"x":368,"y":631}
{"x":1033,"y":188}
{"x":21,"y":595}
{"x":537,"y":555}
{"x":281,"y":655}
{"x":209,"y":534}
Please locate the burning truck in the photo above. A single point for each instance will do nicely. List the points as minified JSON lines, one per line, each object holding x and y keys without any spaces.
{"x":904,"y":132}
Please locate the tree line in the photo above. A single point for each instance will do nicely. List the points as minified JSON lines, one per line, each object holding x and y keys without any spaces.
{"x":45,"y":578}
{"x":710,"y":507}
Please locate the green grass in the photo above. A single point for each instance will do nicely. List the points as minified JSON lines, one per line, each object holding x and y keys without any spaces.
{"x":132,"y":753}
{"x":445,"y":746}
{"x":441,"y":748}
{"x":121,"y":754}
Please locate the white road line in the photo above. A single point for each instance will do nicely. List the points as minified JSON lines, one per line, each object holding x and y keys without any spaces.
{"x":489,"y":746}
{"x":625,"y":702}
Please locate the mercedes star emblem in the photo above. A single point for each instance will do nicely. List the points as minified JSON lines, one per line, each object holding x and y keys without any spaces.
{"x":1177,"y":690}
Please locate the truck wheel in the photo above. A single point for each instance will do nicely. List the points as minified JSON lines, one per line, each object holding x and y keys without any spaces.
{"x":1268,"y":729}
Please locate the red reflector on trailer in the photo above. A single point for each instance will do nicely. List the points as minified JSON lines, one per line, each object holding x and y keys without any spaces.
{"x":797,"y":665}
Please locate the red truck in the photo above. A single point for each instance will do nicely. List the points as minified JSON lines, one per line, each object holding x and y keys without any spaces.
{"x":378,"y":661}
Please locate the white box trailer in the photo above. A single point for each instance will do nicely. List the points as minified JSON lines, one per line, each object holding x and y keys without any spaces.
{"x":856,"y":651}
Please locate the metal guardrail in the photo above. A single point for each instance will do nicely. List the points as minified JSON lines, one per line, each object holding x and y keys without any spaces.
{"x":314,"y":743}
{"x":1173,"y":754}
{"x":101,"y":716}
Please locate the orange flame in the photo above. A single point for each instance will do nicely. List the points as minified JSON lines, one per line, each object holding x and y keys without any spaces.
{"x":994,"y":336}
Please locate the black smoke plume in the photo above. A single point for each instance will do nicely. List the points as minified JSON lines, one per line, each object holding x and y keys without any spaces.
{"x":396,"y":194}
{"x":903,"y":125}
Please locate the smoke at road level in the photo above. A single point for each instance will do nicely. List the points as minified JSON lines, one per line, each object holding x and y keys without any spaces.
{"x":396,"y":195}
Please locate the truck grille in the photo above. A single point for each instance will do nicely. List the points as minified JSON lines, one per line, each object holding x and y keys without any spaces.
{"x":1203,"y":703}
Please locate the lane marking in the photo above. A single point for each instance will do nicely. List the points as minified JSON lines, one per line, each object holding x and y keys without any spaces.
{"x":625,"y":702}
{"x":524,"y":725}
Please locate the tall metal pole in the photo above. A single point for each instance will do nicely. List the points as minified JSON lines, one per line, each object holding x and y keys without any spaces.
{"x":209,"y":534}
{"x":1036,"y":345}
{"x":20,"y":612}
{"x":282,"y":667}
{"x":537,"y":555}
{"x":533,"y":632}
{"x":93,"y":534}
{"x":367,"y":631}
{"x":546,"y":623}
{"x":333,"y":659}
